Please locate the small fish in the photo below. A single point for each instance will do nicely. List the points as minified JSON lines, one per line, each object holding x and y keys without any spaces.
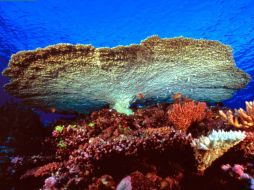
{"x":141,"y":96}
{"x":53,"y":110}
{"x":177,"y":96}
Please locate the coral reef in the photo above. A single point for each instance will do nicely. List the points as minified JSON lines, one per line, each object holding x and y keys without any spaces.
{"x":81,"y":78}
{"x":240,"y":118}
{"x":147,"y":150}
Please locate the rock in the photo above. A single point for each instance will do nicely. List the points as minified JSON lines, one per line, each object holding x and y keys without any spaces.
{"x":82,"y":78}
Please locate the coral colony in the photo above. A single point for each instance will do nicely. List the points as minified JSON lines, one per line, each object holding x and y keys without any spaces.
{"x":151,"y":119}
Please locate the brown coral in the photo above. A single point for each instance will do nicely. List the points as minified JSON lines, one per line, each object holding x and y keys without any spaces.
{"x":240,"y":118}
{"x":183,"y":115}
{"x":82,"y":78}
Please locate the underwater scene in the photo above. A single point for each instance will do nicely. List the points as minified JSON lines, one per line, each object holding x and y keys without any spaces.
{"x":126,"y":95}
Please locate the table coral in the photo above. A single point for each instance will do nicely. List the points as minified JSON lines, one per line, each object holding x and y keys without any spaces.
{"x":82,"y":78}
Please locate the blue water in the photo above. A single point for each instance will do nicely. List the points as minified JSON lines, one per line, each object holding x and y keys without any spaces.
{"x":30,"y":24}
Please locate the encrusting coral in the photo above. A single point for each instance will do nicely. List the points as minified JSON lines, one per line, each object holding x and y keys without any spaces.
{"x":109,"y":150}
{"x":81,"y":78}
{"x":240,"y":118}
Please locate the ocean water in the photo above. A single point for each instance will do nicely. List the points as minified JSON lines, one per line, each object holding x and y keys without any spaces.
{"x":28,"y":24}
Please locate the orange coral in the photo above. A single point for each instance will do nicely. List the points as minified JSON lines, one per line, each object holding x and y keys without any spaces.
{"x":240,"y":118}
{"x":182,"y":116}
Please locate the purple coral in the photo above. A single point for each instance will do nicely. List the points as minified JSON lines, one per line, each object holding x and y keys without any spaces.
{"x":225,"y":167}
{"x":16,"y":160}
{"x":125,"y":184}
{"x":49,"y":183}
{"x":252,"y":184}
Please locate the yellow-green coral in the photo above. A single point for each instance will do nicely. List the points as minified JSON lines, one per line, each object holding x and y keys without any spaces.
{"x":62,"y":144}
{"x":91,"y":124}
{"x":59,"y":128}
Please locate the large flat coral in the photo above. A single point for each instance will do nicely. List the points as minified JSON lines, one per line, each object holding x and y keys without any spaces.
{"x":82,"y":78}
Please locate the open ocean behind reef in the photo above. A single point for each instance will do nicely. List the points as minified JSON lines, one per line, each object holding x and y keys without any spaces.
{"x":29,"y":24}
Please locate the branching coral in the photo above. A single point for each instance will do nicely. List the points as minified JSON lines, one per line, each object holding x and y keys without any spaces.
{"x":183,"y":115}
{"x":240,"y":118}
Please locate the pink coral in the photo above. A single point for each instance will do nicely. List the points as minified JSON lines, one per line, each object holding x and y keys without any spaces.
{"x":49,"y":183}
{"x":238,"y":169}
{"x":225,"y":167}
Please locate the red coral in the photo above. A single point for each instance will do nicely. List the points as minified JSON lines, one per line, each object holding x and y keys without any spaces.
{"x":154,"y":116}
{"x":42,"y":171}
{"x":100,"y":149}
{"x":246,"y":147}
{"x":182,"y":116}
{"x":139,"y":181}
{"x":105,"y":182}
{"x":133,"y":145}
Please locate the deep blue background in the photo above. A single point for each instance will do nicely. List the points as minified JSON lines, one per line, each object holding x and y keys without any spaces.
{"x":38,"y":23}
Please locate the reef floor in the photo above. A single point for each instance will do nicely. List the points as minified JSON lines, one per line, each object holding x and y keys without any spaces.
{"x":179,"y":145}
